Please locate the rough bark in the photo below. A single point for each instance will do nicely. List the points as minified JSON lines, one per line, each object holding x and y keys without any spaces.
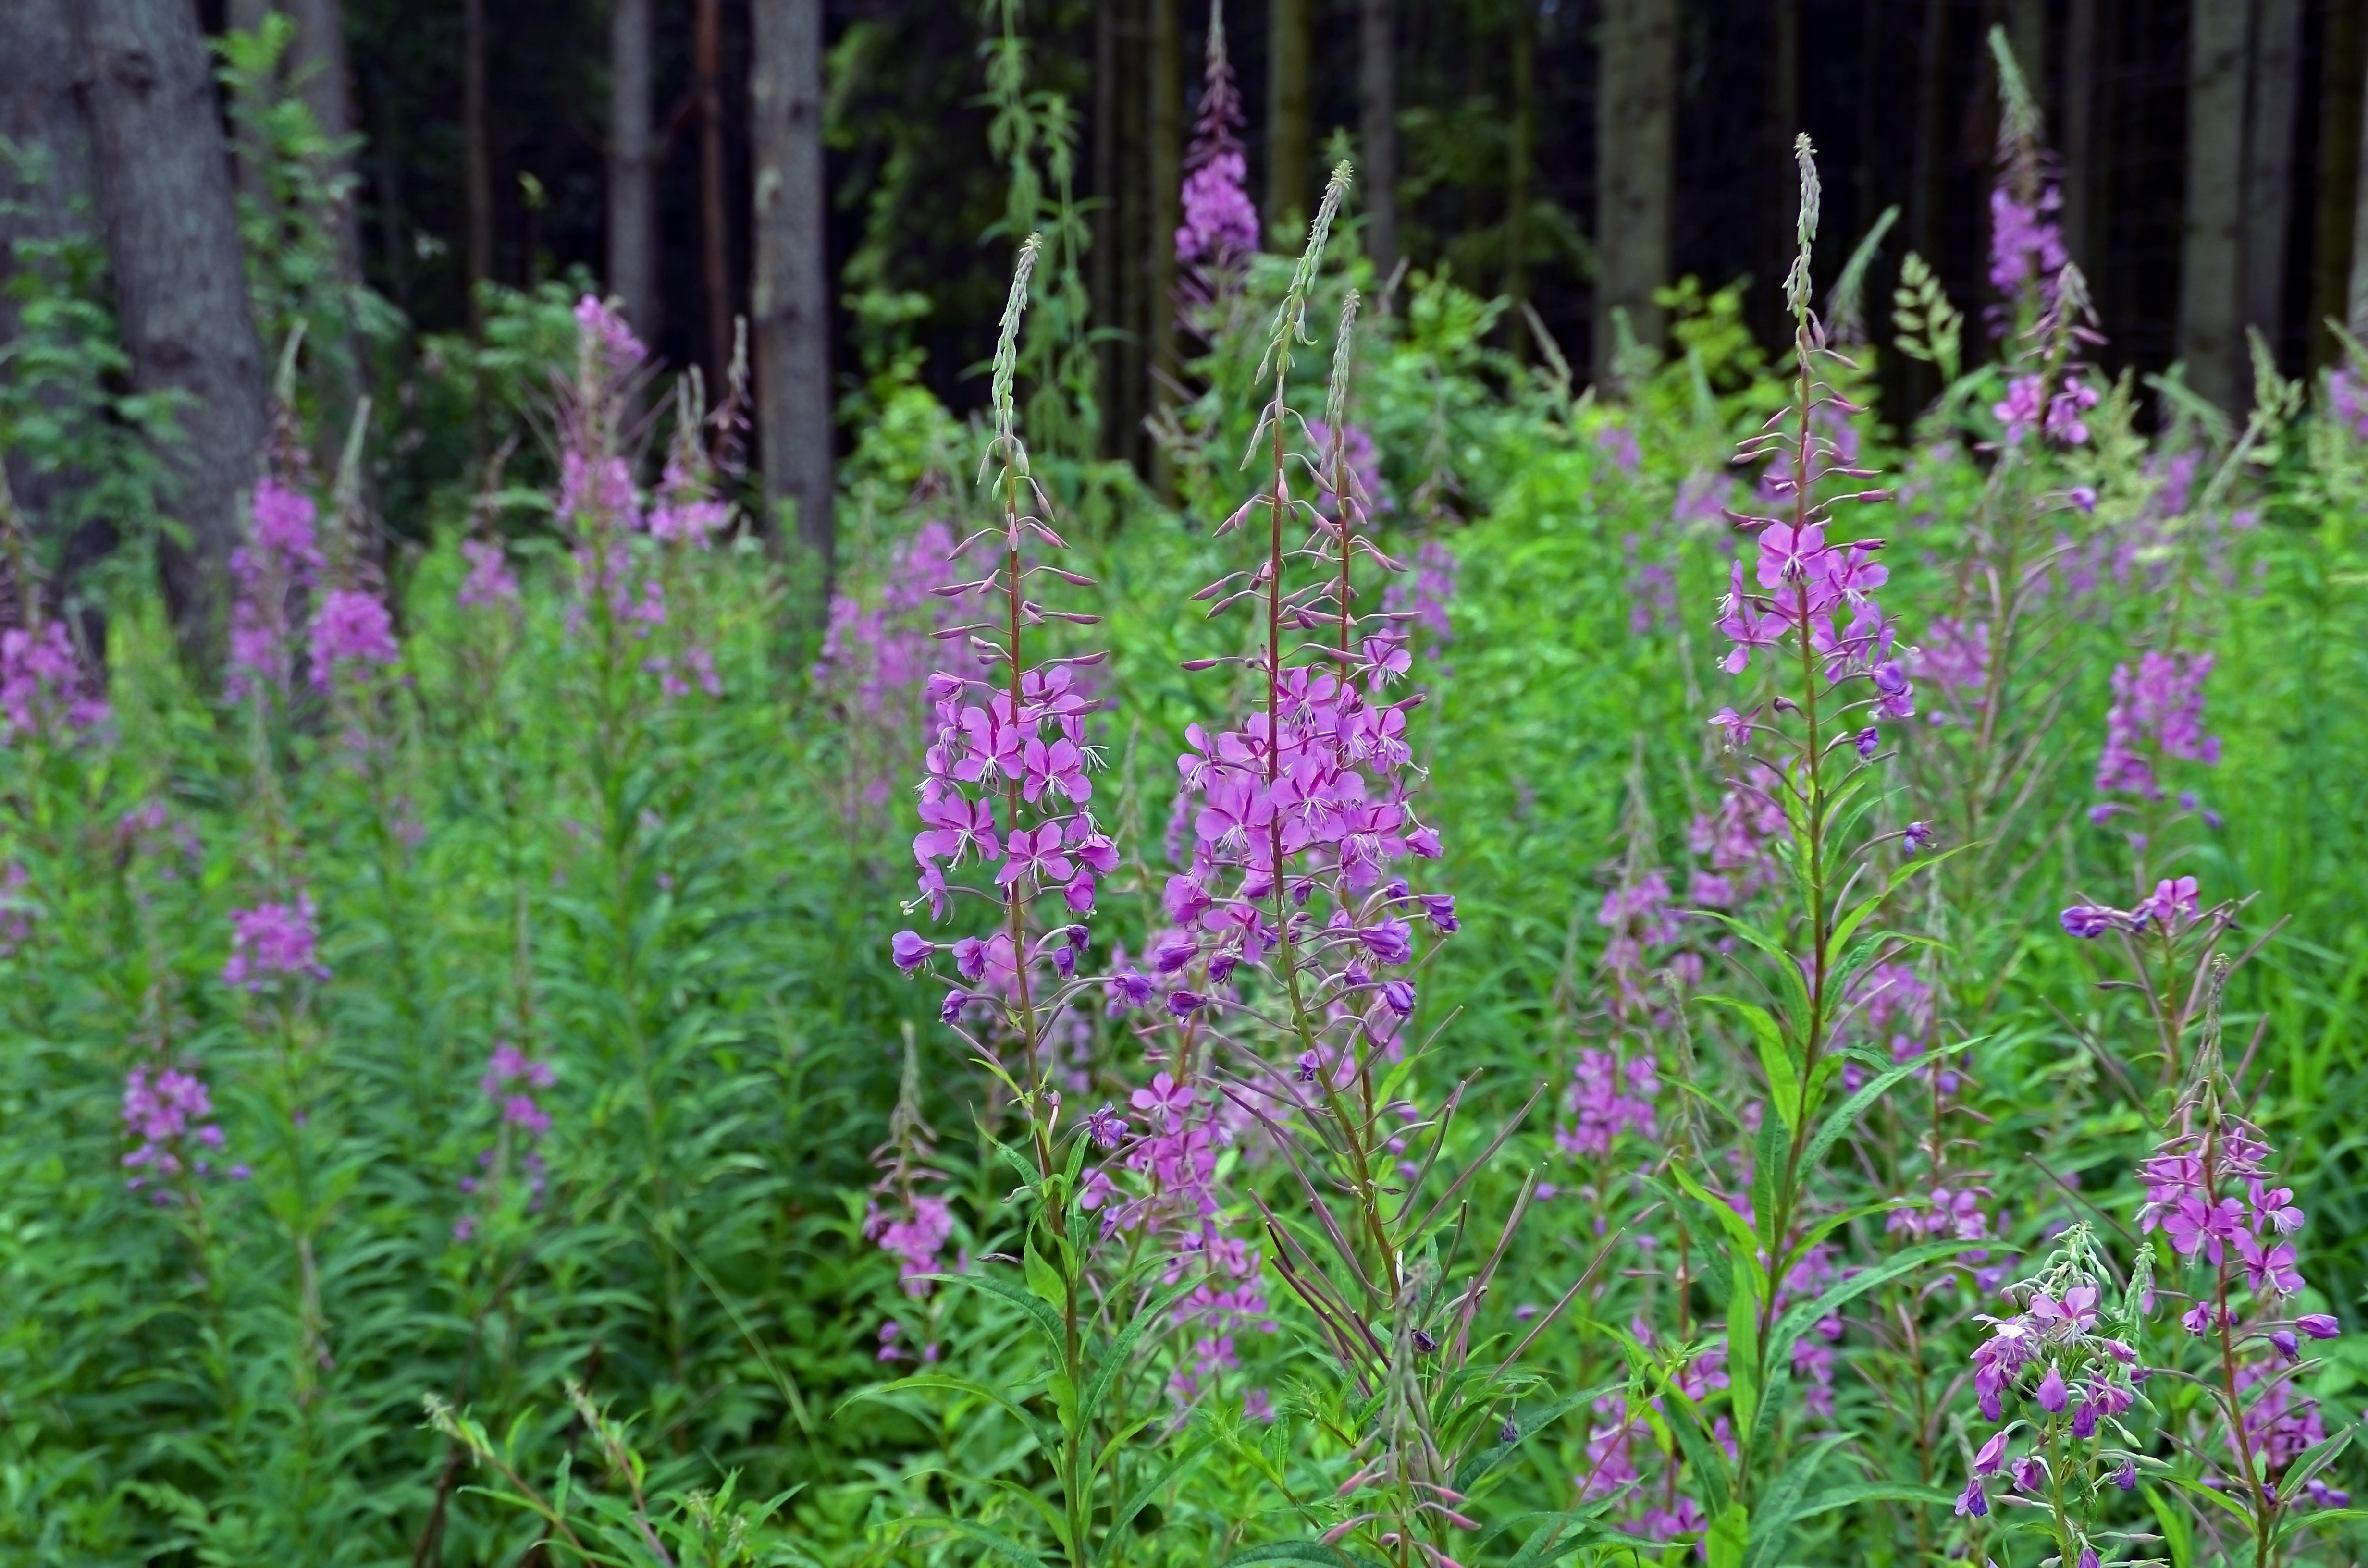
{"x":792,"y":288}
{"x":2269,"y":165}
{"x":1377,"y":125}
{"x":714,"y":217}
{"x":1635,"y":106}
{"x":632,"y":204}
{"x":162,"y":172}
{"x":1164,"y":138}
{"x":1290,"y":147}
{"x":1108,"y":227}
{"x":2209,"y":264}
{"x":45,"y":196}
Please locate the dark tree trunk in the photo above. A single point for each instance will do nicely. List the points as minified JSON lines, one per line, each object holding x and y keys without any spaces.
{"x":45,"y":196}
{"x":317,"y":65}
{"x":632,"y":210}
{"x":792,"y":290}
{"x":2269,"y":165}
{"x":2208,"y":252}
{"x":2079,"y":121}
{"x":1521,"y":55}
{"x":2355,"y":311}
{"x":477,"y":163}
{"x":714,"y":217}
{"x":2337,"y":176}
{"x":1163,"y":134}
{"x":1377,"y":125}
{"x":1108,"y":224}
{"x":1289,"y":145}
{"x":1635,"y":108}
{"x":163,"y":177}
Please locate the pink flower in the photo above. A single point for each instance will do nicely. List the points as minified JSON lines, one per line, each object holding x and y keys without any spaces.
{"x":350,"y":629}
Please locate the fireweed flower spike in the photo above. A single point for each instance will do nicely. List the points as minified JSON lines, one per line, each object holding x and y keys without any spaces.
{"x":2060,"y":1374}
{"x":2213,"y":1194}
{"x":1005,"y":825}
{"x":1220,"y":225}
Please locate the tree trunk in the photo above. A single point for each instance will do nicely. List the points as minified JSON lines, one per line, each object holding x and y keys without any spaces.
{"x":632,"y":205}
{"x":477,"y":163}
{"x":45,"y":196}
{"x":2269,"y":165}
{"x":2337,"y":177}
{"x":1290,"y":148}
{"x":1635,"y":109}
{"x":1164,"y":153}
{"x":791,"y":287}
{"x":254,"y":152}
{"x":2079,"y":122}
{"x":1377,"y":125}
{"x":1519,"y":150}
{"x":2355,"y":314}
{"x":163,"y":176}
{"x":317,"y":65}
{"x":2027,"y":31}
{"x":2209,"y":340}
{"x":714,"y":219}
{"x":1108,"y":226}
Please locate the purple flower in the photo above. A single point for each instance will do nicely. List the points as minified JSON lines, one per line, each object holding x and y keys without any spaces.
{"x":490,"y":580}
{"x":2283,"y":1340}
{"x":1973,"y":1503}
{"x":1184,"y":1003}
{"x":1130,"y":988}
{"x":2174,"y":901}
{"x":161,"y":1112}
{"x":1917,"y":837}
{"x":350,"y":629}
{"x":1106,"y":1128}
{"x":2318,"y":1326}
{"x":280,"y":560}
{"x":2127,"y":1476}
{"x":2089,"y":921}
{"x":2051,"y":1394}
{"x":41,"y":682}
{"x":2157,"y":714}
{"x":2026,"y":246}
{"x":272,"y":939}
{"x":910,"y":950}
{"x":2029,"y":1473}
{"x":1220,"y":225}
{"x":1991,"y":1455}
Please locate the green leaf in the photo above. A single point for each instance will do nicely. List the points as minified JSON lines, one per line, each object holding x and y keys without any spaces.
{"x":1857,"y":1492}
{"x":1114,"y":1360}
{"x":1495,"y":1454}
{"x":1743,"y":1246}
{"x":1775,"y":1056}
{"x":1837,"y":1126}
{"x":1046,"y":1320}
{"x":1188,"y":1457}
{"x":1729,"y":1534}
{"x":1743,"y":1350}
{"x":1797,"y":1319}
{"x":2178,"y":1535}
{"x":949,"y":1383}
{"x":997,"y":1544}
{"x":1046,"y":1281}
{"x":1290,"y":1551}
{"x":1780,"y":1506}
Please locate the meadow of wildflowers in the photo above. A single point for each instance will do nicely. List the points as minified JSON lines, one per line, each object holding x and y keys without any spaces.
{"x":1725,"y":973}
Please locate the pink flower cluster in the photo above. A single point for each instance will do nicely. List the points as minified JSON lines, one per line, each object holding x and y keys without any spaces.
{"x":2028,"y":406}
{"x":1221,"y":226}
{"x":2026,"y":243}
{"x":280,"y":560}
{"x":490,"y":580}
{"x":876,"y":655}
{"x":914,"y":1239}
{"x":272,"y":940}
{"x":161,"y":1112}
{"x":1423,"y":599}
{"x":2157,"y":715}
{"x":1606,"y":1099}
{"x":41,"y":683}
{"x":507,"y":1085}
{"x":351,"y":630}
{"x":2170,"y":908}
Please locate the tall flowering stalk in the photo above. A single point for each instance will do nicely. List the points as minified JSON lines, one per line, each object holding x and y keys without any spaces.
{"x":1812,"y":741}
{"x":1005,"y":830}
{"x":1220,"y":229}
